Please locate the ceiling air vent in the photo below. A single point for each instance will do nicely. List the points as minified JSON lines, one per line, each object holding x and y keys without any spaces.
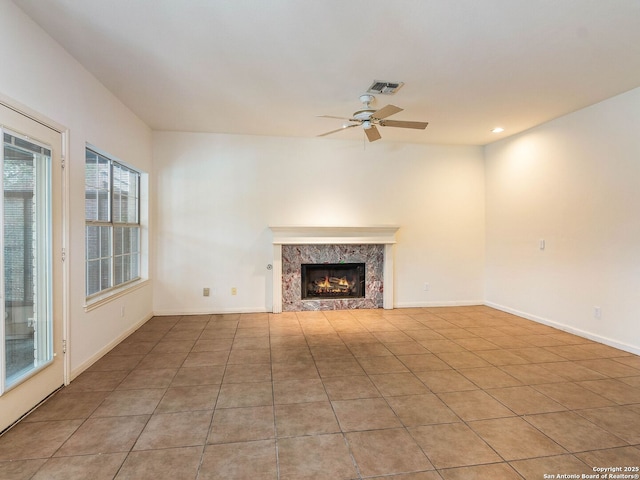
{"x":384,"y":88}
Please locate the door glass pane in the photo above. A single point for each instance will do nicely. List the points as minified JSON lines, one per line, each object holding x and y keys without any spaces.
{"x":27,"y":257}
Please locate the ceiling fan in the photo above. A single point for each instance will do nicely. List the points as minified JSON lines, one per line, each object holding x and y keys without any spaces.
{"x":369,"y":118}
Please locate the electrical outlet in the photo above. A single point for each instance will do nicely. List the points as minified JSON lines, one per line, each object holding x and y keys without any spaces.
{"x":426,"y":287}
{"x":597,"y":312}
{"x":206,"y":292}
{"x":234,"y":291}
{"x":122,"y":311}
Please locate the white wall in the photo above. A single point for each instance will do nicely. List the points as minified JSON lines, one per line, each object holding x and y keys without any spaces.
{"x":218,"y":194}
{"x":574,"y":182}
{"x":39,"y":74}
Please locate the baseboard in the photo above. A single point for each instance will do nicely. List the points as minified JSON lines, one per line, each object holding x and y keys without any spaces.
{"x":209,"y":312}
{"x":107,"y":348}
{"x":452,"y":303}
{"x":567,"y":328}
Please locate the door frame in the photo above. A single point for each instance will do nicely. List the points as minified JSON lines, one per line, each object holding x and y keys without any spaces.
{"x":65,"y":228}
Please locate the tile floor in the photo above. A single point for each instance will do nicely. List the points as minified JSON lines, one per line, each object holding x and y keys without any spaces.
{"x":406,"y":394}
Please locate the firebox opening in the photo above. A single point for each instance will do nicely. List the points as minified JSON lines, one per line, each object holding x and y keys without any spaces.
{"x":333,"y":280}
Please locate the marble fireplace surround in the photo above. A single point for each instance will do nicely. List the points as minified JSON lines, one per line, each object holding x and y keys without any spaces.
{"x":309,"y":235}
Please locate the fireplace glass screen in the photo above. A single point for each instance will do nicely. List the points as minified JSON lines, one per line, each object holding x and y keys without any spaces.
{"x":333,"y":280}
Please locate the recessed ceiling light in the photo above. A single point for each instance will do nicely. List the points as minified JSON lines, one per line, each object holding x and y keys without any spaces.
{"x":497,"y":130}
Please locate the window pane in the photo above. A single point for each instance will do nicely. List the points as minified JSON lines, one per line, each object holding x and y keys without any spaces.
{"x":105,"y":273}
{"x":112,"y":196}
{"x":93,"y":242}
{"x":93,"y":276}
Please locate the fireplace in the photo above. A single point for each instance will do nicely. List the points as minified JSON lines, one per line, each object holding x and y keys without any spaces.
{"x":294,"y":246}
{"x":332,"y":280}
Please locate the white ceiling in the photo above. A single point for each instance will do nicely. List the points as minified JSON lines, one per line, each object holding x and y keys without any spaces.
{"x":269,"y":67}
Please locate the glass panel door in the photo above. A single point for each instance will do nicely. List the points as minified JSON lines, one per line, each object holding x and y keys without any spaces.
{"x":32,"y":364}
{"x":26,"y":177}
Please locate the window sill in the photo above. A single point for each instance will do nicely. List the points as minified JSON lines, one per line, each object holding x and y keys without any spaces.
{"x":100,"y":300}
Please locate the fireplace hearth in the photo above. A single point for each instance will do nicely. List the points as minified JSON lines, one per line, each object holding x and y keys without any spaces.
{"x":332,"y":280}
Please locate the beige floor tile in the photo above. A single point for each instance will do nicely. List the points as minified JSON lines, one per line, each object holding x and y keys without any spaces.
{"x":441,"y":345}
{"x":494,"y":471}
{"x":422,"y":363}
{"x":393,"y":384}
{"x":297,"y":419}
{"x":573,"y":396}
{"x":111,"y":362}
{"x":190,"y":398}
{"x":331,"y":351}
{"x":206,"y":359}
{"x":365,"y":414}
{"x":475,"y":343}
{"x":339,"y":367}
{"x":445,"y":381}
{"x":211,"y":375}
{"x":474,"y":405}
{"x":98,"y":381}
{"x":572,"y":371}
{"x":234,"y":395}
{"x":294,"y":371}
{"x":614,"y":390}
{"x":622,"y":456}
{"x":130,"y":402}
{"x":162,"y":360}
{"x":443,"y":445}
{"x":18,"y":443}
{"x":249,"y":356}
{"x":624,"y":422}
{"x":537,"y":468}
{"x":524,"y":400}
{"x":213,"y":345}
{"x":407,"y":348}
{"x":383,"y":364}
{"x":374,"y":457}
{"x":489,"y":377}
{"x":169,"y":430}
{"x":574,"y":432}
{"x":140,"y":379}
{"x":299,"y":391}
{"x":250,"y":343}
{"x":260,"y":372}
{"x":232,"y":425}
{"x":95,"y":467}
{"x":501,"y":357}
{"x":462,"y":359}
{"x":239,"y":461}
{"x":163,"y":347}
{"x":350,"y":387}
{"x":104,"y":435}
{"x":537,"y":355}
{"x":428,"y":475}
{"x":377,"y":349}
{"x":319,"y":457}
{"x":610,"y":367}
{"x":515,"y":439}
{"x":532,"y":374}
{"x":415,"y":410}
{"x":165,"y":464}
{"x":291,"y":354}
{"x":67,"y":406}
{"x":20,"y":469}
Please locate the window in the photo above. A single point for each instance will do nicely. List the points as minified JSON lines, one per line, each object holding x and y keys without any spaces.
{"x":112,"y":211}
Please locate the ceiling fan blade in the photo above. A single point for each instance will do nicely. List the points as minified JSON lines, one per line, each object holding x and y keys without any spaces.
{"x":386,"y":111}
{"x":372,"y":133}
{"x":338,"y":130}
{"x":333,"y":116}
{"x":403,"y":124}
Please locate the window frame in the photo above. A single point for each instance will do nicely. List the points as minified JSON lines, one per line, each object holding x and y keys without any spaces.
{"x":113,"y":226}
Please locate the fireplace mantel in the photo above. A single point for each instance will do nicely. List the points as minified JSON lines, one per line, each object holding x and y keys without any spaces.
{"x":334,"y":235}
{"x":321,"y":235}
